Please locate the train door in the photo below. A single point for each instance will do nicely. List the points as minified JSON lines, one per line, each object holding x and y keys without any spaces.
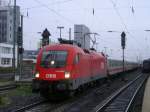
{"x":76,"y":64}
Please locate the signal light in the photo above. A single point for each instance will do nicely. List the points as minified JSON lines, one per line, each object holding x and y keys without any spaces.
{"x":21,"y":50}
{"x":123,"y":40}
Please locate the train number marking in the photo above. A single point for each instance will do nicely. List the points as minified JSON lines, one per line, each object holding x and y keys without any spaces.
{"x":50,"y":75}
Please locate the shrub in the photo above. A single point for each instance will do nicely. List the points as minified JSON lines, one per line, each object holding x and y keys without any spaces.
{"x":6,"y":70}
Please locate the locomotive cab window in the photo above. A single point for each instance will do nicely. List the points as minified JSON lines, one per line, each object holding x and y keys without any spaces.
{"x":54,"y":59}
{"x":77,"y":59}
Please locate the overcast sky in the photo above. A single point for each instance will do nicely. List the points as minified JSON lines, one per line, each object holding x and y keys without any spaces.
{"x":131,"y":16}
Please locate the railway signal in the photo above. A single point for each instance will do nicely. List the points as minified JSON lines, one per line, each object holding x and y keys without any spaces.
{"x":123,"y":40}
{"x":20,"y":50}
{"x":20,"y":40}
{"x":45,"y":39}
{"x":123,"y":43}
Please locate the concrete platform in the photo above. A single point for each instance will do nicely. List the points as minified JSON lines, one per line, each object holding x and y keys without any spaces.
{"x":146,"y":99}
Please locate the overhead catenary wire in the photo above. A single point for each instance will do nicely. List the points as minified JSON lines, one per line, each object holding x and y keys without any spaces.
{"x":132,"y":7}
{"x":62,"y":2}
{"x":97,"y":9}
{"x":95,"y":14}
{"x":52,"y":10}
{"x":38,"y":6}
{"x":121,"y":19}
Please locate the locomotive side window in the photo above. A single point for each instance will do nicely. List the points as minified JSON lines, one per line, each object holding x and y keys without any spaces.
{"x":76,"y":59}
{"x":54,"y":59}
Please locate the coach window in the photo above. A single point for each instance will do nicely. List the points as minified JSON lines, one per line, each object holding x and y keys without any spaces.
{"x":76,"y":59}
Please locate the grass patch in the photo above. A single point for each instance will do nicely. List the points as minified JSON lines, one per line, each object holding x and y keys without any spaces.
{"x":4,"y":101}
{"x":4,"y":82}
{"x":6,"y":70}
{"x":22,"y":90}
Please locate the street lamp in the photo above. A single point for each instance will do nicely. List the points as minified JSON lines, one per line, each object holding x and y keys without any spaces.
{"x":60,"y":28}
{"x":147,"y":30}
{"x":113,"y":31}
{"x":40,"y":46}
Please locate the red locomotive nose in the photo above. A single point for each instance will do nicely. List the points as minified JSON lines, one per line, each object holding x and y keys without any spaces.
{"x":53,"y":74}
{"x":53,"y":65}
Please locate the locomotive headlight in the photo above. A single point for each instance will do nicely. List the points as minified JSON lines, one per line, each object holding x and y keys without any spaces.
{"x":67,"y":75}
{"x":37,"y":75}
{"x":52,"y":62}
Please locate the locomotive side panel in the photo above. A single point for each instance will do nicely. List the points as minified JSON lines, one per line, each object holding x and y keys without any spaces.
{"x":99,"y":68}
{"x":80,"y":70}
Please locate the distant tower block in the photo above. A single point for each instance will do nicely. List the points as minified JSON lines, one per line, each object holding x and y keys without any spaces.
{"x":7,"y":21}
{"x":3,"y":2}
{"x":81,"y":35}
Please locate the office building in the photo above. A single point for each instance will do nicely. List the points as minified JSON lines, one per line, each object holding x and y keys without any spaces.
{"x":6,"y":55}
{"x":82,"y":36}
{"x":7,"y":33}
{"x":7,"y":23}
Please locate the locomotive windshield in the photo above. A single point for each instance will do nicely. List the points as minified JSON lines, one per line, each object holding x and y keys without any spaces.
{"x":53,"y":59}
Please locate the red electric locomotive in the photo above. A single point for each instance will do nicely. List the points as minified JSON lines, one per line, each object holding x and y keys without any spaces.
{"x":64,"y":67}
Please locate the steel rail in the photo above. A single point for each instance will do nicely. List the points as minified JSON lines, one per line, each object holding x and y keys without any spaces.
{"x":133,"y":97}
{"x":22,"y":109}
{"x":7,"y":87}
{"x":110,"y":99}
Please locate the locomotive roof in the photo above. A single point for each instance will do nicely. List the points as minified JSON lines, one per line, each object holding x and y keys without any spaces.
{"x":70,"y":48}
{"x":63,"y":47}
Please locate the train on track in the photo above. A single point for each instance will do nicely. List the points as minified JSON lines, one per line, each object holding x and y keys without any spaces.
{"x":67,"y":68}
{"x":146,"y":66}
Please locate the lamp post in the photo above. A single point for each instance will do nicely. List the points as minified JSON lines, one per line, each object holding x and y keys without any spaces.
{"x":60,"y":28}
{"x":113,"y":31}
{"x":105,"y":50}
{"x":40,"y":46}
{"x":14,"y":41}
{"x":147,"y":30}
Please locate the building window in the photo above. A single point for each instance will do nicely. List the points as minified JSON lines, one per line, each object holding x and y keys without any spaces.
{"x":5,"y":61}
{"x":6,"y":50}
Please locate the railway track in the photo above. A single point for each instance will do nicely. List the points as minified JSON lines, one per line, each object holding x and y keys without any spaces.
{"x":44,"y":106}
{"x":27,"y":107}
{"x":73,"y":105}
{"x":122,"y":100}
{"x":47,"y":106}
{"x":7,"y":87}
